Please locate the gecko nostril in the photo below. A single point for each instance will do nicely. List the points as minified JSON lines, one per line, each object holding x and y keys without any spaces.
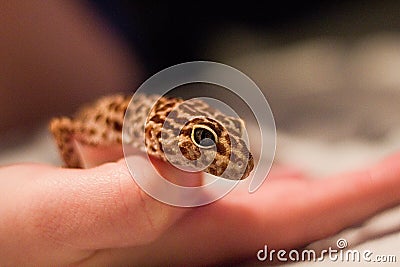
{"x":240,"y":164}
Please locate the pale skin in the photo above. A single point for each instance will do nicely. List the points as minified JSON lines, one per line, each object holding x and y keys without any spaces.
{"x":98,"y":216}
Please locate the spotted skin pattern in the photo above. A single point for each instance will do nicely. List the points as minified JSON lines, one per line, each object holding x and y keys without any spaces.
{"x":161,"y":127}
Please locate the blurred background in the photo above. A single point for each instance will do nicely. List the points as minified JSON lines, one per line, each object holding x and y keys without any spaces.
{"x":329,"y":69}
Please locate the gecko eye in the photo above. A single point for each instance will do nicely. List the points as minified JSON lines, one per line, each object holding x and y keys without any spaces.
{"x":203,"y":136}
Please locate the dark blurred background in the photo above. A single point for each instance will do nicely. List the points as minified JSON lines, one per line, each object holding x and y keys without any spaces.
{"x":170,"y":33}
{"x":324,"y":52}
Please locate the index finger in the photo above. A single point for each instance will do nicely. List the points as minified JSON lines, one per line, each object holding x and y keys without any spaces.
{"x":90,"y":209}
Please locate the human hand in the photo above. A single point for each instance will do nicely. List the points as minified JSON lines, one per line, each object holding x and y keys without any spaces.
{"x":289,"y":211}
{"x":100,"y":217}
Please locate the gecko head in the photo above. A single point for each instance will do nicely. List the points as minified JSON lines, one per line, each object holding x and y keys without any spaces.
{"x":217,"y":146}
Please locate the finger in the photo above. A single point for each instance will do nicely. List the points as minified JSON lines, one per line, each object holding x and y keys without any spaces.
{"x":280,"y":215}
{"x":64,"y":212}
{"x":279,"y":171}
{"x":91,"y":156}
